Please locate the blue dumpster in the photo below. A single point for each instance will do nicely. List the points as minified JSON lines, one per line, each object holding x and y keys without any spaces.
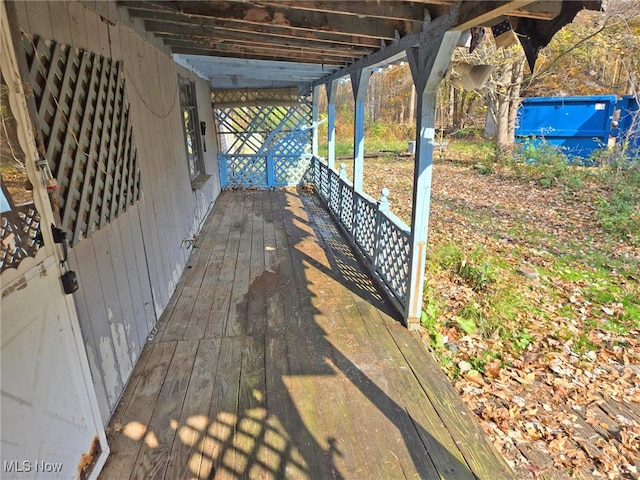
{"x":577,"y":125}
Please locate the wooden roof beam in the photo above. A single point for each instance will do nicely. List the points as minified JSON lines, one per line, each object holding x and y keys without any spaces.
{"x":203,"y":27}
{"x":389,"y":9}
{"x":288,"y":57}
{"x":473,"y":14}
{"x":397,"y":50}
{"x":230,"y":13}
{"x":250,"y":48}
{"x":264,"y":40}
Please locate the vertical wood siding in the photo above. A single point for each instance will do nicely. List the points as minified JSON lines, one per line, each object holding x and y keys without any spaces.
{"x":128,"y":269}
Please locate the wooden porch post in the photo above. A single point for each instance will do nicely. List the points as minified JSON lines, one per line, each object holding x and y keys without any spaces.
{"x":331,"y":123}
{"x":429,"y":63}
{"x":314,"y":121}
{"x":359,"y":83}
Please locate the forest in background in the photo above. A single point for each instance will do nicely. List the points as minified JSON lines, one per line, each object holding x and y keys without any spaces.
{"x":599,"y":53}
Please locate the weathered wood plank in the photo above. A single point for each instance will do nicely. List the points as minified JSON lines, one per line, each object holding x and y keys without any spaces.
{"x":219,"y":316}
{"x":256,"y":314}
{"x":128,"y":290}
{"x":223,"y":414}
{"x":90,"y":287}
{"x":478,"y":452}
{"x":356,"y":357}
{"x":186,"y":455}
{"x":181,"y":314}
{"x":153,"y":456}
{"x":132,"y":427}
{"x":237,"y":320}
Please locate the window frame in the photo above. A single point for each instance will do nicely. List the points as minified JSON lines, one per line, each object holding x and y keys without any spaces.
{"x":191,"y":130}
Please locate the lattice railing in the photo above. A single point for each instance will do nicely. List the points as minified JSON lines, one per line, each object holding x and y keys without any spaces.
{"x":382,"y":239}
{"x":20,"y":234}
{"x":84,"y":119}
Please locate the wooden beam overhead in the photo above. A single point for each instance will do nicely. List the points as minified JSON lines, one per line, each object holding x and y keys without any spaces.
{"x":218,"y":35}
{"x":389,"y":9}
{"x":397,"y":50}
{"x":287,"y":57}
{"x":229,"y":14}
{"x":249,"y":48}
{"x":477,"y":13}
{"x":168,"y":24}
{"x":347,"y":34}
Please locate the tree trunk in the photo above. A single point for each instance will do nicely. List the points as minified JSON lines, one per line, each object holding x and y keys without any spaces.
{"x":506,"y":102}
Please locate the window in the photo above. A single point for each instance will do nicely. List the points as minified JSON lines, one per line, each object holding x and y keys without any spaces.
{"x":193,"y":143}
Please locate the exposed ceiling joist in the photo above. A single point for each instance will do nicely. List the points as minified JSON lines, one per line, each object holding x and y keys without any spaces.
{"x":478,"y":13}
{"x":323,"y":40}
{"x":236,"y":14}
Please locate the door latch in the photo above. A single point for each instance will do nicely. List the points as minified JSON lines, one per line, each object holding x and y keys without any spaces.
{"x":69,"y":278}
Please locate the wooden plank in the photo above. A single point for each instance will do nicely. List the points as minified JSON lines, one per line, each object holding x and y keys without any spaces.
{"x":248,"y":448}
{"x":153,"y":457}
{"x":376,"y":415}
{"x":91,"y":340}
{"x":39,"y":19}
{"x":154,"y":255}
{"x":286,"y":432}
{"x":214,"y":240}
{"x":77,"y":24}
{"x":181,"y":314}
{"x":61,"y":26}
{"x":441,"y":448}
{"x":274,"y":308}
{"x":223,"y":415}
{"x":138,"y":375}
{"x":137,"y":266}
{"x":112,"y":305}
{"x":186,"y":454}
{"x":90,"y":283}
{"x":133,"y":428}
{"x":237,"y":320}
{"x":478,"y":452}
{"x":218,"y":317}
{"x":256,"y":314}
{"x":128,"y":291}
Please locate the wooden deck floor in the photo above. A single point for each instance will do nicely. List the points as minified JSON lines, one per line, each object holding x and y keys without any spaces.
{"x":277,"y":358}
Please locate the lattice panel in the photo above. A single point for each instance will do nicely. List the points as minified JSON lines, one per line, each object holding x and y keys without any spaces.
{"x":392,"y":256}
{"x":86,"y":127}
{"x":364,"y":228}
{"x":20,"y":234}
{"x":281,"y":133}
{"x":248,"y":170}
{"x":346,"y":206}
{"x":324,"y":182}
{"x":315,"y":169}
{"x":334,"y":192}
{"x":290,"y":170}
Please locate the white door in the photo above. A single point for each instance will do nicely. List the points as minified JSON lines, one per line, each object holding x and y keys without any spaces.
{"x":51,"y":425}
